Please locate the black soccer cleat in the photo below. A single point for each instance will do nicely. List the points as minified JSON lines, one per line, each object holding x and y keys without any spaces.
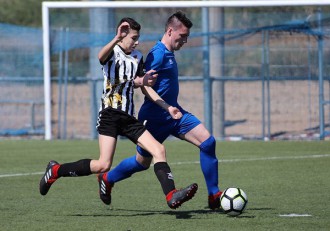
{"x":49,"y":177}
{"x":104,"y":189}
{"x":176,"y":198}
{"x":214,"y":201}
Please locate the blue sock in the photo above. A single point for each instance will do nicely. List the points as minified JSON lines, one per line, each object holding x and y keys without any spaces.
{"x":125,"y":169}
{"x":209,"y":165}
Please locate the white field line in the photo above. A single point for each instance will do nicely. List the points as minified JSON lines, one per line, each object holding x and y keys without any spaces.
{"x":197,"y":162}
{"x":294,"y":215}
{"x":259,"y":159}
{"x":21,"y":174}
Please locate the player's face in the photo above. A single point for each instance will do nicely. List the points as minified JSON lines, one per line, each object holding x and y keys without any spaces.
{"x":130,"y":42}
{"x":179,"y":37}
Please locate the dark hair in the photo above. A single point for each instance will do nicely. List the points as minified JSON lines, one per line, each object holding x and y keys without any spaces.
{"x":132,"y":23}
{"x":178,"y":16}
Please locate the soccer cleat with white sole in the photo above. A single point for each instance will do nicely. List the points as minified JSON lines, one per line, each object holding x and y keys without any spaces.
{"x":176,"y":197}
{"x":104,"y":189}
{"x":49,"y":177}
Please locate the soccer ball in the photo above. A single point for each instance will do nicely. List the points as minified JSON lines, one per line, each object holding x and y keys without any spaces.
{"x":233,"y":201}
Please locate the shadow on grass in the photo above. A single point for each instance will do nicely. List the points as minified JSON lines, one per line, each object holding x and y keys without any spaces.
{"x":118,"y":212}
{"x":192,"y":214}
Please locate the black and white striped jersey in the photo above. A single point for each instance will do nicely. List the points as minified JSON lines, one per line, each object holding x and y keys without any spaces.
{"x":119,"y":71}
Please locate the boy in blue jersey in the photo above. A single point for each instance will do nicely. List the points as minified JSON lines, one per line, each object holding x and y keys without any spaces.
{"x":122,"y":67}
{"x":163,"y":116}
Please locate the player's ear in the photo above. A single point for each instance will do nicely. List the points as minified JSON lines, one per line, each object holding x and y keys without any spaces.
{"x":169,"y":31}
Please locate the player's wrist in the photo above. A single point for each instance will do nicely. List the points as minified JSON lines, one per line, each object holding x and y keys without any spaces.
{"x":167,"y":106}
{"x":138,"y":82}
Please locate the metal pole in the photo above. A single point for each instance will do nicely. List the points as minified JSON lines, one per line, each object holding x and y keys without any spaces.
{"x":268,"y":86}
{"x":309,"y":84}
{"x":32,"y":116}
{"x":206,"y":71}
{"x":66,"y":63}
{"x":320,"y":59}
{"x":60,"y":73}
{"x":47,"y":74}
{"x":216,"y":59}
{"x":222,"y":99}
{"x":263,"y":71}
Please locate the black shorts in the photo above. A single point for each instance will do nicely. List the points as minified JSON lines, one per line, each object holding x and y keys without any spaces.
{"x":114,"y":122}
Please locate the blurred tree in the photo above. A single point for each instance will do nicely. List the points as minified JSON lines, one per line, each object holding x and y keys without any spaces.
{"x":21,"y":12}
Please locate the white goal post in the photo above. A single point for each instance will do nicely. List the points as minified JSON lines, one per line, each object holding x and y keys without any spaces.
{"x":46,"y":6}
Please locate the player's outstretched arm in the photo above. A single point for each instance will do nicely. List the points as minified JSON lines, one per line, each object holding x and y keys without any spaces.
{"x":122,"y":32}
{"x":153,"y":96}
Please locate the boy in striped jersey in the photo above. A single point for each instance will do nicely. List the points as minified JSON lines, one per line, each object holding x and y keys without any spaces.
{"x":122,"y":67}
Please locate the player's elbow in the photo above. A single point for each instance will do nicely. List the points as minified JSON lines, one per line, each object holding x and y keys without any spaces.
{"x":101,"y":58}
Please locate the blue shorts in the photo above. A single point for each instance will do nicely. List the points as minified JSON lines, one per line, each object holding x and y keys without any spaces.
{"x":161,"y":129}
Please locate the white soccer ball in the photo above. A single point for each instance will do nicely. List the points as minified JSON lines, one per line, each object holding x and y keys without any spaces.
{"x":233,"y":201}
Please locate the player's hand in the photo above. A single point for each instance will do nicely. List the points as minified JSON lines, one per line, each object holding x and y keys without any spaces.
{"x":122,"y":31}
{"x":175,"y":112}
{"x":150,"y":78}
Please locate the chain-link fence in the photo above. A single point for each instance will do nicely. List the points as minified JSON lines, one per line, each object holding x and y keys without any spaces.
{"x":263,"y":65}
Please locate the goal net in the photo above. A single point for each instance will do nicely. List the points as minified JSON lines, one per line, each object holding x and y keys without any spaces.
{"x":250,"y":69}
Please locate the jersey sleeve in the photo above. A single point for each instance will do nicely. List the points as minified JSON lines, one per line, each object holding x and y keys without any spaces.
{"x":154,"y":60}
{"x":108,"y":58}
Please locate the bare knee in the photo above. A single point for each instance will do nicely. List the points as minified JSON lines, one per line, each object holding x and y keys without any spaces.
{"x":159,"y":153}
{"x":160,"y":150}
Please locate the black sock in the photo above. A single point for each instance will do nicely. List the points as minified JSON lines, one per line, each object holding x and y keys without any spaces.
{"x":164,"y":175}
{"x":79,"y":168}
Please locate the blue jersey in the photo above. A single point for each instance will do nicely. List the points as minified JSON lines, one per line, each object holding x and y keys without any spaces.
{"x":159,"y":122}
{"x":167,"y":86}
